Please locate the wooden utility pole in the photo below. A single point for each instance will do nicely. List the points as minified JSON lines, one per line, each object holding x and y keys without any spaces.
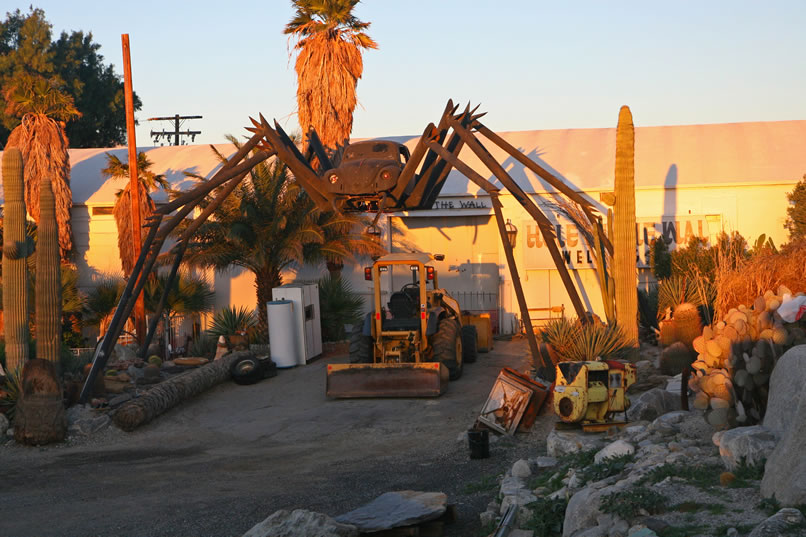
{"x":134,"y":184}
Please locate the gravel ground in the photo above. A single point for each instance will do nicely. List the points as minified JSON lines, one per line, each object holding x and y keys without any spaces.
{"x":223,"y":462}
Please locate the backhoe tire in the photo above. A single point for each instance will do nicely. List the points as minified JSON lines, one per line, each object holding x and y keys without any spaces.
{"x":448,"y":347}
{"x":360,"y":346}
{"x":470,"y":336}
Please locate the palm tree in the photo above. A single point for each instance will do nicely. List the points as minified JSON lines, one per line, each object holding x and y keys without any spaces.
{"x":268,"y":223}
{"x":329,"y":41}
{"x":101,"y":302}
{"x":149,"y":182}
{"x":189,"y":296}
{"x":40,"y":137}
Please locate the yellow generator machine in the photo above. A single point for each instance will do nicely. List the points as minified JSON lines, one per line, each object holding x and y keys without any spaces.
{"x":591,"y":393}
{"x":411,"y":345}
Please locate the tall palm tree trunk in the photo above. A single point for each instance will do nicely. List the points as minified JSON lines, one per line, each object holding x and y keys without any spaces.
{"x":44,"y":145}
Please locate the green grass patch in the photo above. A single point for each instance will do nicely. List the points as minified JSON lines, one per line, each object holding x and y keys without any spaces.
{"x":769,"y":506}
{"x":488,"y":528}
{"x":580,"y":459}
{"x":606,"y":468}
{"x":695,"y":507}
{"x":682,"y":531}
{"x":743,"y":529}
{"x":485,"y":484}
{"x":702,"y":476}
{"x":551,"y":478}
{"x":547,"y":517}
{"x":747,"y":475}
{"x":628,"y":503}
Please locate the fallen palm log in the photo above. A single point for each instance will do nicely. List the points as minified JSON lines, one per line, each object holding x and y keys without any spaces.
{"x":170,"y":393}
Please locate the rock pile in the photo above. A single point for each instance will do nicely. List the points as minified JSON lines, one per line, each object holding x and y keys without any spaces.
{"x":657,"y":477}
{"x":736,"y":357}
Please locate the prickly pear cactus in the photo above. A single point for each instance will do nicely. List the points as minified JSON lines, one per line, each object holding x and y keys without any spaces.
{"x":15,"y":250}
{"x":48,"y":279}
{"x":624,"y":270}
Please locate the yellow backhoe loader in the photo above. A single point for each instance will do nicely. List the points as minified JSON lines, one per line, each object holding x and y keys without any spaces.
{"x":412,"y":345}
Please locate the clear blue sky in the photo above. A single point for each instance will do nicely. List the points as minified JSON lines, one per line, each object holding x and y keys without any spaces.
{"x":531,"y":64}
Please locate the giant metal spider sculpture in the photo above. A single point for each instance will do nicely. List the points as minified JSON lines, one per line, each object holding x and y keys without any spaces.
{"x":371,"y":177}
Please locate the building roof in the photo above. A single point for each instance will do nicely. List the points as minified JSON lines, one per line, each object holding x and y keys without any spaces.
{"x":670,"y":156}
{"x":90,"y":187}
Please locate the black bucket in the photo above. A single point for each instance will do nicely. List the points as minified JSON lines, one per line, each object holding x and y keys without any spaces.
{"x":479,"y":442}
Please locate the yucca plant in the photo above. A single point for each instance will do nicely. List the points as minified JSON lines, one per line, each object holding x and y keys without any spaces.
{"x":10,"y":392}
{"x":599,"y":341}
{"x":231,"y":320}
{"x":674,"y":291}
{"x":560,"y":334}
{"x":339,"y":305}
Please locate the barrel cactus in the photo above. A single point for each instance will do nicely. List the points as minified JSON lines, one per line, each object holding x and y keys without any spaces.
{"x":15,"y":250}
{"x":625,"y":273}
{"x":48,"y":279}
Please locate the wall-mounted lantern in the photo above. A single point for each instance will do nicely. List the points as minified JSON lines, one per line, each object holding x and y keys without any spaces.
{"x":512,"y":233}
{"x":374,"y":233}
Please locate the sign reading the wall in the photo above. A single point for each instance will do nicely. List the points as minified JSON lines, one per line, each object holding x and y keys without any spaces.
{"x":575,"y":252}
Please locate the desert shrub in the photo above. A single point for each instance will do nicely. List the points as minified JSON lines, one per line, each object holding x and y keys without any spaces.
{"x":338,"y":305}
{"x":73,"y":364}
{"x":648,"y":307}
{"x":203,"y":346}
{"x":742,"y":280}
{"x":796,"y":212}
{"x":660,"y":260}
{"x":695,"y":259}
{"x":547,"y":517}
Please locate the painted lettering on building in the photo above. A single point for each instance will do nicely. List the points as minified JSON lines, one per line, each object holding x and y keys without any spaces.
{"x":576,"y":252}
{"x":460,"y":204}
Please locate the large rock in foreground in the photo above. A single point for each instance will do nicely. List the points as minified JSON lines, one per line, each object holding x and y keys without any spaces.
{"x":396,"y":509}
{"x":753,"y":445}
{"x":785,"y":472}
{"x":652,"y":404}
{"x":781,"y":523}
{"x":300,"y":523}
{"x":787,"y":390}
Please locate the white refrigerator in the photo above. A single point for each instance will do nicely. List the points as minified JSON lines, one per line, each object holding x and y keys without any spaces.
{"x":308,"y":325}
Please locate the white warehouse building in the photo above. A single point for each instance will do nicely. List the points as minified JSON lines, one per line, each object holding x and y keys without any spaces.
{"x":689,"y":179}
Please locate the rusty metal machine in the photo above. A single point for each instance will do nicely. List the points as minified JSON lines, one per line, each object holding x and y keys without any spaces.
{"x":372,"y":176}
{"x":412,"y":345}
{"x":591,"y":393}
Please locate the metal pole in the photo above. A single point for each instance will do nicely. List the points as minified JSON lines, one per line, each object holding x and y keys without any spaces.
{"x":134,"y":183}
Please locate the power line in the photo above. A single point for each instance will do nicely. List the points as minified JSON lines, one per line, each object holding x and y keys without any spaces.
{"x":176,"y":133}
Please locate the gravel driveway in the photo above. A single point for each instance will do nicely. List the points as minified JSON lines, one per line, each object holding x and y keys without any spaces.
{"x":226,"y":460}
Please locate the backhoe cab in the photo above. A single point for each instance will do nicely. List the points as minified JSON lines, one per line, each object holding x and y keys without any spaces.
{"x":411,"y":345}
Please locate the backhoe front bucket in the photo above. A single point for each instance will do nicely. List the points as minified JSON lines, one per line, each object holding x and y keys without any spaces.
{"x":425,"y":379}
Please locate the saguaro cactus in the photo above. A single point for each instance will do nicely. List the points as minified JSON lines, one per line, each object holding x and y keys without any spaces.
{"x":15,"y":250}
{"x":624,"y":271}
{"x":48,"y":279}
